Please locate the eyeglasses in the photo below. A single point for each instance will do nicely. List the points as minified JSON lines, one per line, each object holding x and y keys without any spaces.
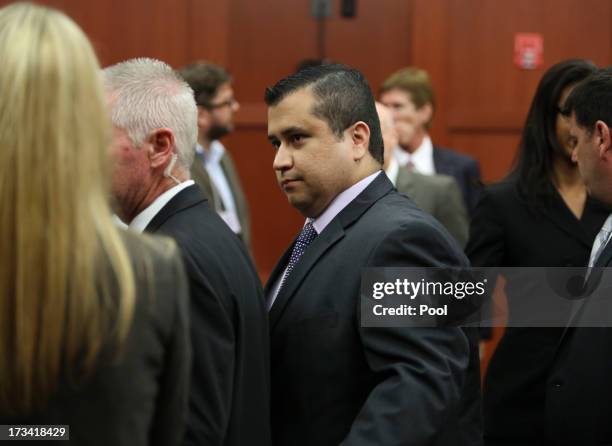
{"x":229,"y":103}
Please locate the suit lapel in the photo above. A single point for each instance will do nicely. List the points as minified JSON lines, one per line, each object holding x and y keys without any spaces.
{"x":560,"y":215}
{"x":324,"y":241}
{"x":334,"y":231}
{"x":604,"y":260}
{"x":440,"y":163}
{"x":188,"y":197}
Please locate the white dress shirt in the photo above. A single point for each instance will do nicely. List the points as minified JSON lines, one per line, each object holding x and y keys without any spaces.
{"x":392,"y":170}
{"x":421,"y":158}
{"x":142,"y":220}
{"x":342,"y":200}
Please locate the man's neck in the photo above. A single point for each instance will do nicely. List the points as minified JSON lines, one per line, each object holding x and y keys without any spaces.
{"x":416,"y":142}
{"x":204,"y":142}
{"x":163,"y":185}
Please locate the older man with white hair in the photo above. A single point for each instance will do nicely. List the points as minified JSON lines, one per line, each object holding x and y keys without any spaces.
{"x":154,"y":116}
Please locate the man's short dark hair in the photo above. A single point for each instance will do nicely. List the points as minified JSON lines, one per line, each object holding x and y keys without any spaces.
{"x":204,"y":78}
{"x":343,"y":98}
{"x":591,"y":100}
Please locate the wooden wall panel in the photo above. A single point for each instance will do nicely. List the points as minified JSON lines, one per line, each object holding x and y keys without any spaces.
{"x":266,"y":44}
{"x":466,"y":45}
{"x":121,"y":30}
{"x":481,"y":94}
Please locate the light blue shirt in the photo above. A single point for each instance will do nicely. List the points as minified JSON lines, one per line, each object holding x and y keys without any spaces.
{"x":212,"y":164}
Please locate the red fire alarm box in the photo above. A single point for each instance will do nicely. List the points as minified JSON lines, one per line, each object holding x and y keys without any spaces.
{"x":528,"y":50}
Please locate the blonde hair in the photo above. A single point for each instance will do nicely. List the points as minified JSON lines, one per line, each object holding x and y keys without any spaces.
{"x":416,"y":83}
{"x":66,"y":280}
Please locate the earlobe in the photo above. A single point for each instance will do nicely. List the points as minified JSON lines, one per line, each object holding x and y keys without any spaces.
{"x":602,"y":131}
{"x":360,"y":135}
{"x":161,"y":146}
{"x":203,"y":117}
{"x":426,"y":112}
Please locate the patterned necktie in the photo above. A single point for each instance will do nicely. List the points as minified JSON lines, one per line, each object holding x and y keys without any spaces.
{"x":307,"y":235}
{"x":601,"y":241}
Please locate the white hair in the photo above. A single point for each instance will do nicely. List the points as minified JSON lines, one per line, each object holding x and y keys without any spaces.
{"x":147,"y":94}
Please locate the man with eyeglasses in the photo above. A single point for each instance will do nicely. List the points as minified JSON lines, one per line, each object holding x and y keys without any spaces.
{"x":213,"y":168}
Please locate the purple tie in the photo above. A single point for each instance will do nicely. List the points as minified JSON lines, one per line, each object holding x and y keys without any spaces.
{"x":307,"y":235}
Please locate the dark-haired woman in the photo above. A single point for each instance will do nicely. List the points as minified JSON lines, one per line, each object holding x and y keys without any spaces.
{"x":539,"y":216}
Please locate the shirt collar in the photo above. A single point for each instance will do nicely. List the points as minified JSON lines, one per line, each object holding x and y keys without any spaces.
{"x":341,"y":201}
{"x":142,"y":220}
{"x":423,"y":155}
{"x":421,"y":158}
{"x":392,"y":170}
{"x":213,"y":154}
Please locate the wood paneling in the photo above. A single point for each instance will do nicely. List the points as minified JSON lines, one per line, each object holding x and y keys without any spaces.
{"x":466,"y":46}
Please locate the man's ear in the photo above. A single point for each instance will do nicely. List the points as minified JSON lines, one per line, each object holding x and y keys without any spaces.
{"x":203,"y":118}
{"x":425,"y":113}
{"x":603,"y":140}
{"x":162,"y":146}
{"x":360,"y":136}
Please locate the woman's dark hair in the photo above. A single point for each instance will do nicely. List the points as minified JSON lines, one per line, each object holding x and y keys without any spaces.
{"x":538,"y":147}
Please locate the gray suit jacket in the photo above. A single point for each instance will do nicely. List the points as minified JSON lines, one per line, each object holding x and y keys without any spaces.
{"x":440,"y":196}
{"x":200,"y":176}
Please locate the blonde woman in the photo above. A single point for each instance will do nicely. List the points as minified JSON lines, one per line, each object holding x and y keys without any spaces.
{"x":92,"y":321}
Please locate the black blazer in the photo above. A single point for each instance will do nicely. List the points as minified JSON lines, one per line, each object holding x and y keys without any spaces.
{"x":229,"y":398}
{"x":579,"y":389}
{"x":334,"y":381}
{"x":464,"y":169}
{"x":139,"y":398}
{"x":506,"y":232}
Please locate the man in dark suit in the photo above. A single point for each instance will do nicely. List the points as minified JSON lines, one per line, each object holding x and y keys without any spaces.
{"x":579,"y":391}
{"x":213,"y":168}
{"x":333,"y":380}
{"x":409,"y":95}
{"x":154,"y":114}
{"x":438,"y":195}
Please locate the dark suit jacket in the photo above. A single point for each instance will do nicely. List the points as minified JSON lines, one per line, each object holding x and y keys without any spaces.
{"x":438,"y":195}
{"x":200,"y":176}
{"x":139,"y":398}
{"x":506,"y":232}
{"x":464,"y":169}
{"x":229,"y":399}
{"x":579,"y":389}
{"x":334,"y":381}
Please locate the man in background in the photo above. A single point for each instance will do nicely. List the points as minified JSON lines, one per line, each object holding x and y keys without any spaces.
{"x":438,"y":195}
{"x":409,"y":94}
{"x":579,"y":391}
{"x":213,"y":168}
{"x":154,"y":118}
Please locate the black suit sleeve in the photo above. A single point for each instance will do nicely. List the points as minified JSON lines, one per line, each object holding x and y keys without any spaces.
{"x":485,"y":247}
{"x":474,"y":188}
{"x":213,"y":341}
{"x":171,"y":406}
{"x":419,"y":373}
